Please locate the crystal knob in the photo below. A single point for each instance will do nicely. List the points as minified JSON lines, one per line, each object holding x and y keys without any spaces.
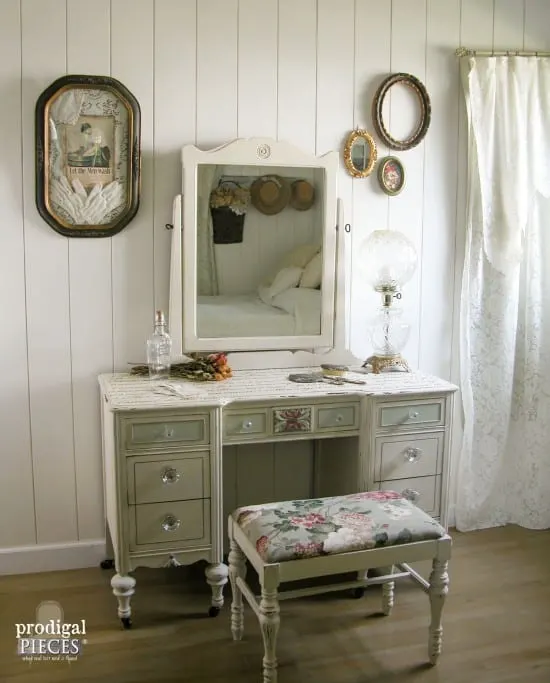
{"x":170,"y":523}
{"x":411,"y":494}
{"x":170,"y":475}
{"x":169,"y":433}
{"x":412,"y":454}
{"x":339,"y":418}
{"x":413,"y":414}
{"x":247,"y":424}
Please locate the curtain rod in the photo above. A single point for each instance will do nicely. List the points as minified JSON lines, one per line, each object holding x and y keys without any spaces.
{"x":465,"y":52}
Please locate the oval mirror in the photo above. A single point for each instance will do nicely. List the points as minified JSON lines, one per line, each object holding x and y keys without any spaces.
{"x":424,"y":111}
{"x":360,"y":153}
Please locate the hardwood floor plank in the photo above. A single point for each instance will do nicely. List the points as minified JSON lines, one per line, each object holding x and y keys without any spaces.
{"x":496,"y":626}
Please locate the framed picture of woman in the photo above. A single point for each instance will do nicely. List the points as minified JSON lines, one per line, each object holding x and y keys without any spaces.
{"x":88,"y":156}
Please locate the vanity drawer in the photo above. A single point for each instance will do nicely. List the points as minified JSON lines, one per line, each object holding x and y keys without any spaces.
{"x":292,"y":420}
{"x":407,"y":414}
{"x":179,"y":524}
{"x":240,"y":424}
{"x":427,"y":490}
{"x":332,"y":418}
{"x":402,"y":457}
{"x":155,"y":480}
{"x":150,"y":432}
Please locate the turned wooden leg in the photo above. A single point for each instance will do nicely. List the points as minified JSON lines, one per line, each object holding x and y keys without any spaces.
{"x":123,"y":589}
{"x":387,"y":597}
{"x":237,"y":569}
{"x":216,"y":578}
{"x":439,"y":587}
{"x":269,"y":624}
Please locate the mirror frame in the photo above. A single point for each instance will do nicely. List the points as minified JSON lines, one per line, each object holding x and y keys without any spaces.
{"x":264,"y":152}
{"x":423,"y":123}
{"x":351,"y":139}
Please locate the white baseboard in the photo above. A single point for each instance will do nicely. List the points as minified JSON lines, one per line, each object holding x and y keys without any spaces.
{"x":50,"y":558}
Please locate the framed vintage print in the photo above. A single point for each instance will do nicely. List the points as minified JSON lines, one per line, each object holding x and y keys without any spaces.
{"x":88,"y":156}
{"x":424,"y":111}
{"x":391,"y":175}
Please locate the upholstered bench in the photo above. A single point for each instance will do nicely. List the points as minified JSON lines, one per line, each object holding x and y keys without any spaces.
{"x":303,"y":539}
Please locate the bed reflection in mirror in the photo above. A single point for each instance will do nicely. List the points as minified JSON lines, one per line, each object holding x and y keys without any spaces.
{"x":259,"y":250}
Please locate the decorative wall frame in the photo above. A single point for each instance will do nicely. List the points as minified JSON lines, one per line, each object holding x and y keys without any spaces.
{"x":424,"y":115}
{"x":391,"y":175}
{"x":88,"y":157}
{"x":360,"y":153}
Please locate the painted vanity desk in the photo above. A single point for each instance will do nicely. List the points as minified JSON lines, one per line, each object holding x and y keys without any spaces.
{"x":163,"y":455}
{"x":168,"y":485}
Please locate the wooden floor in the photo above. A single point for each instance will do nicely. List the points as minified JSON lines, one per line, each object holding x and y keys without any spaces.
{"x":496,"y":620}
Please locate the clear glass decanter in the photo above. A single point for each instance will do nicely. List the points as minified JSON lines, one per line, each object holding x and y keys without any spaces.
{"x":159,"y":349}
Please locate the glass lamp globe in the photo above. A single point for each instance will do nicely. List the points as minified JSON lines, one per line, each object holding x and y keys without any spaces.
{"x":388,"y":259}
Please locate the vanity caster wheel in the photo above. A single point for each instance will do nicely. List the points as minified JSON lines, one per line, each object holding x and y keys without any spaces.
{"x":107,"y":564}
{"x":358,"y":593}
{"x":213,"y":611}
{"x":126,"y":623}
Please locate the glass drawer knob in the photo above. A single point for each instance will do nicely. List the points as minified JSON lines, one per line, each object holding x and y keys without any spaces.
{"x":413,"y":414}
{"x":170,"y":523}
{"x":339,"y":418}
{"x":247,"y":424}
{"x":170,"y":475}
{"x":411,"y":495}
{"x":412,"y":454}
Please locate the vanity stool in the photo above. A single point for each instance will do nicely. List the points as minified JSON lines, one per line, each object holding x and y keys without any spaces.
{"x":303,"y":539}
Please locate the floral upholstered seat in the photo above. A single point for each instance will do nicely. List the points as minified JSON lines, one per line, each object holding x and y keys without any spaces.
{"x":298,"y":529}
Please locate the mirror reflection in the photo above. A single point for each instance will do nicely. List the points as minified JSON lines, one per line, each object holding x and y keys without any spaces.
{"x":259,"y":250}
{"x":360,"y":154}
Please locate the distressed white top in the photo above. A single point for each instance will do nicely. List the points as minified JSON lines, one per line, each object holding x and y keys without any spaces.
{"x":130,"y":392}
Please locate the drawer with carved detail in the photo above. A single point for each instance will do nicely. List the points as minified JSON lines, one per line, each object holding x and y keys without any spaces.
{"x":241,"y":424}
{"x":426,"y":413}
{"x":422,"y":491}
{"x":156,"y":479}
{"x":150,"y":433}
{"x":180,"y":524}
{"x":401,"y":457}
{"x":292,"y":420}
{"x":336,"y":417}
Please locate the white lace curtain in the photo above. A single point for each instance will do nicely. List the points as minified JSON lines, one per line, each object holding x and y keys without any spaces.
{"x":503,"y":474}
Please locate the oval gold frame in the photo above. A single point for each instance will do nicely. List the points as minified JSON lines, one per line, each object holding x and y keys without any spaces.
{"x":425,"y":111}
{"x":352,"y":137}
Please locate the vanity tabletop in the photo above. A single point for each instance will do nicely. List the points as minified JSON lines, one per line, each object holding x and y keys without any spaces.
{"x":126,"y":392}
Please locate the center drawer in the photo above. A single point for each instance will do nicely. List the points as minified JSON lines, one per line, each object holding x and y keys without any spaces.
{"x":334,"y":417}
{"x":251,"y":422}
{"x":155,"y":479}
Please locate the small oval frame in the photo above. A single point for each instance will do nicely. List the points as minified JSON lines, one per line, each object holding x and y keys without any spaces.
{"x":352,"y":137}
{"x":425,"y":111}
{"x":382,"y":164}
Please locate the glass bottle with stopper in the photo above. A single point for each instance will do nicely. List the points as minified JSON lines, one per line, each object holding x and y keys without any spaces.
{"x":389,"y":261}
{"x":159,"y":349}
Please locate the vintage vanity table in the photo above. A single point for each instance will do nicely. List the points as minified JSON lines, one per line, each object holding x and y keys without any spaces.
{"x":167,"y":491}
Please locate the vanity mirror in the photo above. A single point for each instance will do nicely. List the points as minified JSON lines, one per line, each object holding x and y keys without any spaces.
{"x":254,"y":267}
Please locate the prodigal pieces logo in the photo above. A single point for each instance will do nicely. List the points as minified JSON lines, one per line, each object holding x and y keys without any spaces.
{"x":49,"y":638}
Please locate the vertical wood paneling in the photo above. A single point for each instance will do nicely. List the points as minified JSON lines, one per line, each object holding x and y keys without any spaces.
{"x":508,"y":25}
{"x":408,"y":54}
{"x":47,"y":294}
{"x":335,"y":93}
{"x":255,"y":474}
{"x":90,"y":289}
{"x":217,"y":82}
{"x":175,"y":44}
{"x":536,"y":34}
{"x":16,"y":480}
{"x":132,"y":64}
{"x":297,"y":69}
{"x":437,"y":258}
{"x":369,"y":203}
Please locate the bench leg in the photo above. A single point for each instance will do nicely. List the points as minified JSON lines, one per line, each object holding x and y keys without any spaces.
{"x":387,"y":594}
{"x":439,"y":587}
{"x":269,"y":623}
{"x":237,"y":569}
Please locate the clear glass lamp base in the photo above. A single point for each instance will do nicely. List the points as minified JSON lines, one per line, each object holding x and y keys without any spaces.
{"x":387,"y":364}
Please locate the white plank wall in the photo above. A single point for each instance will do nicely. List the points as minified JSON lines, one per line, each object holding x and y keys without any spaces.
{"x":300,"y":71}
